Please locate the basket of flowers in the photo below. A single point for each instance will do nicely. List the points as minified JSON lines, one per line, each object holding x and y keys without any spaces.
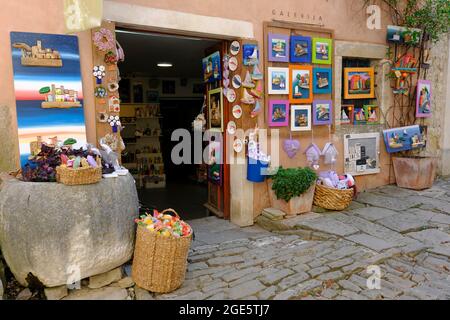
{"x":162,"y":247}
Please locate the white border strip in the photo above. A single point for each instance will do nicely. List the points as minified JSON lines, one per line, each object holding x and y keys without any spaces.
{"x":176,"y":21}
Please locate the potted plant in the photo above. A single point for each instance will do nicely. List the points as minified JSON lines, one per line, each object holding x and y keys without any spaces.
{"x":292,"y":190}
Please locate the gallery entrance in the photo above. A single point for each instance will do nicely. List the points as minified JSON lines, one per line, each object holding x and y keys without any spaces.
{"x":162,"y":89}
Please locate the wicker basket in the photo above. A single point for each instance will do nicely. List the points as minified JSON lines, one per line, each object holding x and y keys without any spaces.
{"x":333,"y":199}
{"x":160,"y":263}
{"x":80,"y":176}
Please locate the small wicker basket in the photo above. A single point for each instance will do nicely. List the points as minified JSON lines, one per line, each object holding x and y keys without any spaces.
{"x":160,"y":263}
{"x":80,"y":176}
{"x":333,"y":199}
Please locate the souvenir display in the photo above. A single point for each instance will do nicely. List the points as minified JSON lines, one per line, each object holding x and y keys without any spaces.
{"x":423,"y":101}
{"x":235,"y":48}
{"x":278,"y":80}
{"x":104,"y":40}
{"x":248,"y":82}
{"x":212,"y":67}
{"x":247,"y":98}
{"x":278,"y":48}
{"x":372,"y":114}
{"x":347,"y":115}
{"x":257,"y":92}
{"x":322,"y":112}
{"x":238,"y":145}
{"x":237,"y":81}
{"x":313,"y":154}
{"x":257,"y":110}
{"x":231,"y":128}
{"x":237,"y":112}
{"x":403,"y":139}
{"x":291,"y":147}
{"x":250,"y":54}
{"x":301,"y":118}
{"x":216,"y":110}
{"x":233,"y":64}
{"x":300,"y":85}
{"x":257,"y":75}
{"x":300,"y":49}
{"x":359,"y":83}
{"x":361,"y":153}
{"x":165,"y":225}
{"x":278,"y":113}
{"x":322,"y":80}
{"x":330,"y":153}
{"x":322,"y":51}
{"x":231,"y":95}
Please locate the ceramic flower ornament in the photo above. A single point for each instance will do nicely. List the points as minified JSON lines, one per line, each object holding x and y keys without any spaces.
{"x":114,"y":122}
{"x":291,"y":147}
{"x":104,"y":40}
{"x":99,"y":72}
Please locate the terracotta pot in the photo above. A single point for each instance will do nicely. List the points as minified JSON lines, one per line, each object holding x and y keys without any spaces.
{"x":415,"y":173}
{"x":297,"y":205}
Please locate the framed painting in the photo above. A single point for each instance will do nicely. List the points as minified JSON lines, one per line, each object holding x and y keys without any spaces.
{"x":423,"y":101}
{"x":215,"y":111}
{"x":360,"y":116}
{"x":361,"y":153}
{"x":250,"y":52}
{"x":400,"y":35}
{"x":372,"y":114}
{"x":322,"y":80}
{"x":322,"y":50}
{"x":278,"y":50}
{"x":278,"y":113}
{"x":301,"y":118}
{"x":403,"y":139}
{"x":347,"y":114}
{"x":322,"y":112}
{"x":300,"y":84}
{"x":278,"y":80}
{"x":300,"y":49}
{"x":359,"y":83}
{"x":212,"y":70}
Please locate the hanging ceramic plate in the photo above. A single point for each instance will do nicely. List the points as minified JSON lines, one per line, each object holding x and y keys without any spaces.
{"x":231,"y":128}
{"x":235,"y":48}
{"x":237,"y":111}
{"x":237,"y":81}
{"x":231,"y":95}
{"x":238,"y":145}
{"x":233,"y":64}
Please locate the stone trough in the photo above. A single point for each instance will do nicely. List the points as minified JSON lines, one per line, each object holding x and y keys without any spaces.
{"x":62,"y":234}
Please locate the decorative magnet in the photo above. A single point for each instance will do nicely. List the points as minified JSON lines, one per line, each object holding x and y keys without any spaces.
{"x":237,"y":111}
{"x":256,"y":110}
{"x":102,"y":117}
{"x":235,"y":48}
{"x":248,"y":82}
{"x":231,"y":95}
{"x":238,"y":145}
{"x":113,"y":86}
{"x":226,"y":82}
{"x":114,"y":122}
{"x":99,"y":73}
{"x":237,"y":81}
{"x":233,"y":64}
{"x":100,"y":92}
{"x":114,"y":104}
{"x":111,"y":58}
{"x":291,"y":147}
{"x":104,"y":40}
{"x":231,"y":128}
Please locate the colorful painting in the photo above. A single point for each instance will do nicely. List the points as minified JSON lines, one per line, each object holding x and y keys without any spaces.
{"x":48,"y":89}
{"x":278,"y":80}
{"x":423,"y":102}
{"x":347,"y":114}
{"x":212,"y":68}
{"x":400,"y":35}
{"x":372,"y":114}
{"x":301,"y":118}
{"x":278,"y":113}
{"x":322,"y":80}
{"x":360,"y":116}
{"x":322,"y":50}
{"x":278,"y":48}
{"x":250,"y":53}
{"x":216,"y":122}
{"x":322,"y":112}
{"x":403,"y":139}
{"x":215,"y":162}
{"x":359,"y":83}
{"x":301,"y":49}
{"x":301,"y":84}
{"x":362,"y":153}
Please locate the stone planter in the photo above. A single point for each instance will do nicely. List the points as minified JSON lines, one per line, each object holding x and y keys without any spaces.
{"x":62,"y":234}
{"x":415,"y":173}
{"x":297,"y":205}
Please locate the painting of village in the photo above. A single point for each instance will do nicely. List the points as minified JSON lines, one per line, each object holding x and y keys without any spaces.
{"x":301,"y":84}
{"x":48,"y":90}
{"x":359,"y":83}
{"x":403,"y":139}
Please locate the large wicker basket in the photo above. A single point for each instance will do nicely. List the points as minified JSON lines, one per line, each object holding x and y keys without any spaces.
{"x":160,"y":263}
{"x":333,"y":199}
{"x":80,"y":176}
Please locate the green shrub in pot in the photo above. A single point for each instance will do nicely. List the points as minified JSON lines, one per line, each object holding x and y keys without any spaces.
{"x":292,"y":182}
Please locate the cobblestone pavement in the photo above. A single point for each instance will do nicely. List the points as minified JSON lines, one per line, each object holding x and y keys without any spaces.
{"x":402,"y":233}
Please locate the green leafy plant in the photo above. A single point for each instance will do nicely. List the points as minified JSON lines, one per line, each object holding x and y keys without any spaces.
{"x":292,"y":182}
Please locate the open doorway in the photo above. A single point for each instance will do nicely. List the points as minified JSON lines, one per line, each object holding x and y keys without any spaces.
{"x":162,"y":90}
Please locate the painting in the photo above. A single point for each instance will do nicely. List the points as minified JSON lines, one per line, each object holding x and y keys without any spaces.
{"x":361,"y":153}
{"x":403,"y":139}
{"x":322,"y":81}
{"x":322,"y":50}
{"x":250,"y":54}
{"x":423,"y":102}
{"x":215,"y":167}
{"x":359,"y":83}
{"x":212,"y":68}
{"x":372,"y":114}
{"x":278,"y":113}
{"x":401,"y":35}
{"x":138,"y":93}
{"x":278,"y":50}
{"x":216,"y":110}
{"x":48,"y":90}
{"x":360,"y":116}
{"x":168,"y":87}
{"x":301,"y":84}
{"x":300,"y":49}
{"x":322,"y":112}
{"x":300,"y":117}
{"x":278,"y":80}
{"x":347,"y":114}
